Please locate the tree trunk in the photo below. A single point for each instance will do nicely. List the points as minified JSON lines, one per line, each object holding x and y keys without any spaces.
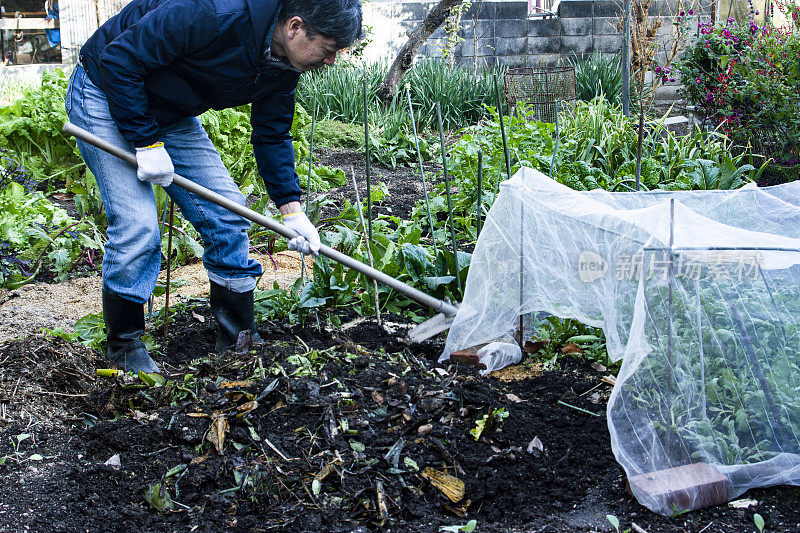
{"x":405,"y":57}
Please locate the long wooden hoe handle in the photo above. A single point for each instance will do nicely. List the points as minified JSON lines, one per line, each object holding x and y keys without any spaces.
{"x":418,"y":296}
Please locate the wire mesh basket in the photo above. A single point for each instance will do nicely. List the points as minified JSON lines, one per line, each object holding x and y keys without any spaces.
{"x":541,"y":87}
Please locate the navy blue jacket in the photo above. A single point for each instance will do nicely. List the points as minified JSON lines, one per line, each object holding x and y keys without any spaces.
{"x":162,"y":60}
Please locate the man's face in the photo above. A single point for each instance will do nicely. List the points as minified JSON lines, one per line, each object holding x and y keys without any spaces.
{"x":307,"y":53}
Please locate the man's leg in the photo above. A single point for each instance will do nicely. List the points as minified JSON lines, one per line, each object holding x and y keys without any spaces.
{"x":233,"y":274}
{"x":133,"y":252}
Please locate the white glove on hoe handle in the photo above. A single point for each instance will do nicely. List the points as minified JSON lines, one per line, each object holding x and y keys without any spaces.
{"x":154,"y":165}
{"x":307,"y":242}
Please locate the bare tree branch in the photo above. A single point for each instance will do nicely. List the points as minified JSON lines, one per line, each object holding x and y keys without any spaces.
{"x":405,"y":57}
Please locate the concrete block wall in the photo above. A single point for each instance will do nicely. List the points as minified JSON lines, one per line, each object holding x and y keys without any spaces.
{"x":500,"y":32}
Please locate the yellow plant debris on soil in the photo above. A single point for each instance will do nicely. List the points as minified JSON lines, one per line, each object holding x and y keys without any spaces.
{"x":518,"y":372}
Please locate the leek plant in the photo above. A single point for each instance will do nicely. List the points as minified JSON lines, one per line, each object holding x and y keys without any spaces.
{"x":599,"y":74}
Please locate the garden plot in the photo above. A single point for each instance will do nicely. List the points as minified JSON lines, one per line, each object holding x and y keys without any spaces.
{"x":353,"y":430}
{"x":335,"y":424}
{"x":316,"y":432}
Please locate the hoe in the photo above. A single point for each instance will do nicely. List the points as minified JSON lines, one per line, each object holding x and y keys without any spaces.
{"x":440,"y":322}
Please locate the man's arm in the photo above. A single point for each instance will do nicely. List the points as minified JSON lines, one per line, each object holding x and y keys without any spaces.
{"x":272,"y":143}
{"x":271,"y":119}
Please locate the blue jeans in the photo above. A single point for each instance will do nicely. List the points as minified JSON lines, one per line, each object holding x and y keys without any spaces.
{"x":132,"y":257}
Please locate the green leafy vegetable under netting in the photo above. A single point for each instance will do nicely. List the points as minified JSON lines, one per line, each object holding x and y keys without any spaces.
{"x":697,"y":292}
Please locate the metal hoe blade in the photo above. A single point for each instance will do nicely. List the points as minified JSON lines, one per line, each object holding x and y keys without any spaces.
{"x":431,"y":327}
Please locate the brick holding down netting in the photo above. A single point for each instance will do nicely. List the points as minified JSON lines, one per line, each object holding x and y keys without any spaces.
{"x":682,"y":488}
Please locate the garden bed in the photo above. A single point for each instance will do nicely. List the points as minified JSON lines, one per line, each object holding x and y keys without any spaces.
{"x":332,"y":405}
{"x":352,"y":430}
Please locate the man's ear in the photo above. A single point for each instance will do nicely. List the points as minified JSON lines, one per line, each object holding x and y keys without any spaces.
{"x":293,"y":27}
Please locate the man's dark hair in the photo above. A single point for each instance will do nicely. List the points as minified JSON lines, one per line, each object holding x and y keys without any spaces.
{"x":339,"y":20}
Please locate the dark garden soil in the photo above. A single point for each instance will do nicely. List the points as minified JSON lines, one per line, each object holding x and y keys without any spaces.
{"x":403,"y":183}
{"x":331,"y":429}
{"x":321,"y":428}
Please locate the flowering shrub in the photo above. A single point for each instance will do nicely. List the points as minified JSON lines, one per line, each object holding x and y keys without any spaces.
{"x":745,"y":78}
{"x":790,"y":11}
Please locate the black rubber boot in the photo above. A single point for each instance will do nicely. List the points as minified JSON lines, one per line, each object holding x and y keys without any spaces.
{"x":124,"y":329}
{"x":234,"y":314}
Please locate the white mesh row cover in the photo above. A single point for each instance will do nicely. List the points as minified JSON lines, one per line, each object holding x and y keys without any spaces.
{"x":698,"y":292}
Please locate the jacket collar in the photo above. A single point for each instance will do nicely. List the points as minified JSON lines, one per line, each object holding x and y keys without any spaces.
{"x":262,"y":13}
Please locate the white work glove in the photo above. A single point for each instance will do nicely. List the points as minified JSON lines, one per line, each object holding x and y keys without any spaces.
{"x":307,"y":242}
{"x":154,"y":165}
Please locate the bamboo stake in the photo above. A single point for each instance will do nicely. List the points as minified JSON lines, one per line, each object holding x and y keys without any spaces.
{"x":366,"y":155}
{"x":555,"y":147}
{"x":311,"y":149}
{"x":670,"y":274}
{"x":421,"y":170}
{"x":640,"y":136}
{"x":479,"y":208}
{"x":151,"y":300}
{"x":308,"y":182}
{"x":502,"y":127}
{"x":369,"y":250}
{"x":521,"y":275}
{"x":449,"y":201}
{"x":626,"y":60}
{"x":169,"y":264}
